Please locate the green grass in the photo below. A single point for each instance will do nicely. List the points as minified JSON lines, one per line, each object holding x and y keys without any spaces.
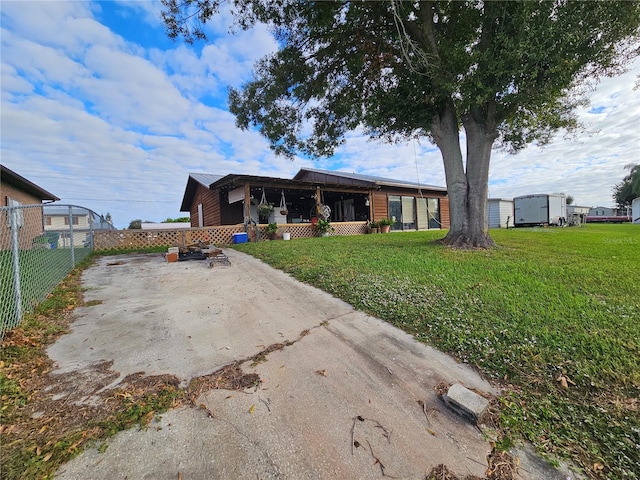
{"x":548,"y":302}
{"x":40,"y":271}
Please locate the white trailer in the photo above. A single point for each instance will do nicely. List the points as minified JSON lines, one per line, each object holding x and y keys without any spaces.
{"x":499,"y":213}
{"x":531,"y":210}
{"x":635,"y":210}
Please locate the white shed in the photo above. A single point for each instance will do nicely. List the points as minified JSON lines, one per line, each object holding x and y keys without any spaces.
{"x":635,"y":210}
{"x":500,"y":213}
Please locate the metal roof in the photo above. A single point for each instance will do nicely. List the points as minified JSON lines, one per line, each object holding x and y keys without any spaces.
{"x":195,"y":179}
{"x":62,"y":210}
{"x":370,"y":179}
{"x":205,"y":179}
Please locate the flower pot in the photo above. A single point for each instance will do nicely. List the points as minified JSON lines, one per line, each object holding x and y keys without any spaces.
{"x":286,"y":236}
{"x":324,"y":234}
{"x":385,"y":228}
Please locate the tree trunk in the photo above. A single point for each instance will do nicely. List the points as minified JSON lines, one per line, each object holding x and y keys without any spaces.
{"x":467,"y":190}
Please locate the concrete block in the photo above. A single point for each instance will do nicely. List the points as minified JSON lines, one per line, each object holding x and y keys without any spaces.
{"x":465,"y":402}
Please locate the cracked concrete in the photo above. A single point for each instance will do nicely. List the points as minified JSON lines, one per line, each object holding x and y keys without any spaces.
{"x":337,"y":365}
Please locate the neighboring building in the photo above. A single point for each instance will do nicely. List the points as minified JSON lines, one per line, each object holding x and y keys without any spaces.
{"x":577,"y":214}
{"x":16,"y":190}
{"x":164,"y":226}
{"x":64,"y":219}
{"x":608,"y":214}
{"x":500,"y":213}
{"x":215,"y":200}
{"x":603,"y":212}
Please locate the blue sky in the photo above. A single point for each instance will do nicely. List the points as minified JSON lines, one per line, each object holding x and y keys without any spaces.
{"x":100,"y":108}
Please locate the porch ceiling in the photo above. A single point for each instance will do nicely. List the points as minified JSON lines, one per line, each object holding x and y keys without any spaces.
{"x":232,"y":181}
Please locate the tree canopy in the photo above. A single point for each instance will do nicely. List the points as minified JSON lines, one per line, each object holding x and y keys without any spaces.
{"x":508,"y":73}
{"x":629,"y":188}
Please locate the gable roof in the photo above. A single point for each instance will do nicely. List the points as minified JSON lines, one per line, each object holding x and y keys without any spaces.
{"x":195,"y":179}
{"x":12,"y":178}
{"x":340,"y":177}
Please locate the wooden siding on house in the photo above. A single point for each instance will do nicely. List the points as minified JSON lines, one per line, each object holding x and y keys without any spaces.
{"x":445,"y":218}
{"x":380,"y":205}
{"x":210,"y":200}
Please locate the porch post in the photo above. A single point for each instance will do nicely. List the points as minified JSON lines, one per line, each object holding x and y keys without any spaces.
{"x":247,"y":202}
{"x":371,"y":206}
{"x":318,"y":201}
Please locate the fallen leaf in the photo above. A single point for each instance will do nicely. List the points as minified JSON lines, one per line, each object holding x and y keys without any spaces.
{"x":322,"y":372}
{"x":598,"y":467}
{"x":432,"y":432}
{"x":44,"y":427}
{"x":563,"y":381}
{"x":38,"y":451}
{"x":47,"y":457}
{"x":252,"y":409}
{"x":228,"y":397}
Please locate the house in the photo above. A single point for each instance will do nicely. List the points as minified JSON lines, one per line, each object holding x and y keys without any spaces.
{"x":233,"y":199}
{"x":72,"y":224}
{"x":15,"y":190}
{"x":607,"y":214}
{"x":580,"y":214}
{"x":500,"y":213}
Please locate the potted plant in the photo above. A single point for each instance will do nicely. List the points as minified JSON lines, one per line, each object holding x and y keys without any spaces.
{"x":272,"y":231}
{"x":372,"y":227}
{"x":323,"y":227}
{"x":385,"y":225}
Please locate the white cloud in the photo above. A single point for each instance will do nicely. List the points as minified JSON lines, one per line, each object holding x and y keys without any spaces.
{"x":107,"y":123}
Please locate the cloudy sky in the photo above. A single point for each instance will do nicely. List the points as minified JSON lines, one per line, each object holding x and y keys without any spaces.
{"x":102,"y":110}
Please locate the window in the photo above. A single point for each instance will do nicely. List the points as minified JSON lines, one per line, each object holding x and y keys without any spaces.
{"x":74,"y":219}
{"x":47,"y":221}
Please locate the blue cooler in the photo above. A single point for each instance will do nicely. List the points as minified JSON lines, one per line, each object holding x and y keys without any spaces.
{"x":240,"y":237}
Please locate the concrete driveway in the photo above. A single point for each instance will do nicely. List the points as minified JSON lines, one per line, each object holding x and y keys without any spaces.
{"x":337,"y":376}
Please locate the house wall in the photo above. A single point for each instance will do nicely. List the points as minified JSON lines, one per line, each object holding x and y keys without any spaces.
{"x":58,"y":224}
{"x":32,"y":217}
{"x":381,"y":203}
{"x":210,"y":200}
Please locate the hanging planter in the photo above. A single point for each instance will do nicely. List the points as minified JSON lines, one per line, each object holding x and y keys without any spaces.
{"x":264,"y":209}
{"x":283,"y":205}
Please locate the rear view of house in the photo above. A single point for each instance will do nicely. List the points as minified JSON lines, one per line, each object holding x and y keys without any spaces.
{"x":232,"y":199}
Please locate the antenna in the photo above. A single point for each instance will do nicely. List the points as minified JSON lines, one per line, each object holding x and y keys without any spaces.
{"x":415,"y":157}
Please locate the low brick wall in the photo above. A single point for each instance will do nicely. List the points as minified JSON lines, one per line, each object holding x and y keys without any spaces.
{"x":223,"y":235}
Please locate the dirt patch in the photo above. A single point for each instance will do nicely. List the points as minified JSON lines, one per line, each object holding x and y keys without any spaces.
{"x":230,"y":377}
{"x":501,"y":466}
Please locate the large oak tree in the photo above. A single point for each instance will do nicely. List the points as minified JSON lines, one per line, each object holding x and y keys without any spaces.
{"x":507,"y":73}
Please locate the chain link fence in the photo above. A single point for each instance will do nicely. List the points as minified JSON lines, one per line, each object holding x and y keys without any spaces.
{"x":39,"y":245}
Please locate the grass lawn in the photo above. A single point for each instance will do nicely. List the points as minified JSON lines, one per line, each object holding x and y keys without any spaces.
{"x":553,"y":315}
{"x":40,"y":271}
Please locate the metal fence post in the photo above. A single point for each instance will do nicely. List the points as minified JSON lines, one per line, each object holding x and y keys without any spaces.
{"x":15,"y":251}
{"x":73,"y":257}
